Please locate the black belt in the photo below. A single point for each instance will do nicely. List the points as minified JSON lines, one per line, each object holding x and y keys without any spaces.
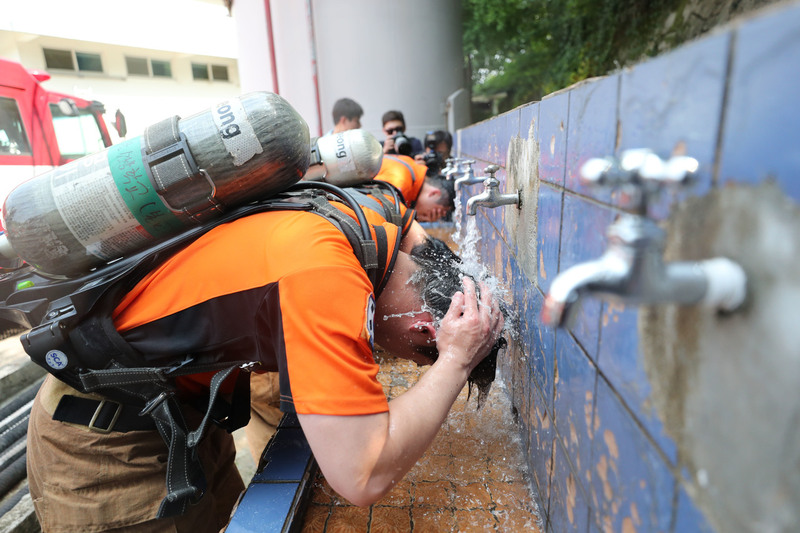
{"x":101,"y":416}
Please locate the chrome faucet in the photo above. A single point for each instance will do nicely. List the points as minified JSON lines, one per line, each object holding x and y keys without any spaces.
{"x":491,"y":196}
{"x":632,"y":268}
{"x":450,"y":167}
{"x":467,"y":174}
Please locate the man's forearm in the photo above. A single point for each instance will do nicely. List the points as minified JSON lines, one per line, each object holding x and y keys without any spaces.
{"x":363,"y":457}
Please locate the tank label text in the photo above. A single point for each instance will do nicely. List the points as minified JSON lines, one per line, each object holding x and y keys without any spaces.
{"x":236,"y":132}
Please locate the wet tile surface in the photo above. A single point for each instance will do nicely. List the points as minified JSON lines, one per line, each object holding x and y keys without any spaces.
{"x":472,"y":478}
{"x":760,"y":137}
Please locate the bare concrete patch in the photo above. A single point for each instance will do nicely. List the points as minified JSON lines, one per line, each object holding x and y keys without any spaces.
{"x":726,"y":386}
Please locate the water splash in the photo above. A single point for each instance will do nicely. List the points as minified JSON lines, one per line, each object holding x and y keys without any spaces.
{"x":471,"y":264}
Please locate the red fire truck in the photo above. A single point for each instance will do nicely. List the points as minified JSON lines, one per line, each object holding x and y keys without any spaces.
{"x":41,"y":129}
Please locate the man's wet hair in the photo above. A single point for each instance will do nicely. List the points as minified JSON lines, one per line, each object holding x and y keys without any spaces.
{"x":439,"y":278}
{"x":447,"y":188}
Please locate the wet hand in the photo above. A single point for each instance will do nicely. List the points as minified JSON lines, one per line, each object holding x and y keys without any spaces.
{"x":471,"y":326}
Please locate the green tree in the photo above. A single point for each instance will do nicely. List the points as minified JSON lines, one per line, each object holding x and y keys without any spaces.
{"x":530,"y":48}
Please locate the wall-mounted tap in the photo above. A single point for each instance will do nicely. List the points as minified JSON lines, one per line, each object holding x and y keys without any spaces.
{"x":466,"y":175}
{"x":632,"y":268}
{"x":450,"y":167}
{"x":491,"y":196}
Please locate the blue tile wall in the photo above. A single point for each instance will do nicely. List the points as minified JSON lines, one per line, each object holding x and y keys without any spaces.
{"x":529,"y":121}
{"x":541,"y":347}
{"x":553,"y":119}
{"x":674,"y":103}
{"x":548,"y":234}
{"x":573,"y":404}
{"x":630,"y":481}
{"x":760,"y":138}
{"x":583,"y":226}
{"x":592,"y":130}
{"x":598,"y":453}
{"x":618,"y":359}
{"x":569,"y":506}
{"x":540,"y":450}
{"x":689,"y":519}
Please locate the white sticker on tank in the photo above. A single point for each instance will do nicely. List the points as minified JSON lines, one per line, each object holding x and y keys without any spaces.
{"x":56,"y":359}
{"x":236,"y":131}
{"x":91,"y":207}
{"x":344,"y":155}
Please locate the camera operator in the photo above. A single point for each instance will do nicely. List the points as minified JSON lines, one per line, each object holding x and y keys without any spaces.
{"x":438,"y":145}
{"x":397,"y":142}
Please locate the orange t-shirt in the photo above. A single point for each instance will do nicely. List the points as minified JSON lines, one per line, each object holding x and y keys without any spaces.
{"x":281,"y":288}
{"x":405,"y":174}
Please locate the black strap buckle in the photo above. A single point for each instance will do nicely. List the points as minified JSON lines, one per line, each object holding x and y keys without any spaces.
{"x":96,"y":415}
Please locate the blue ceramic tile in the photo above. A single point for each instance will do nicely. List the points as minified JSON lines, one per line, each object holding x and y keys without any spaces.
{"x":264,"y":507}
{"x":689,"y":519}
{"x":529,"y":121}
{"x":583,"y":238}
{"x":762,"y":132}
{"x":553,"y":119}
{"x":622,"y":364}
{"x":548,"y":234}
{"x":286,"y":457}
{"x":569,"y":507}
{"x":631,"y":484}
{"x":504,"y":128}
{"x":675,"y":100}
{"x":574,"y":401}
{"x":474,"y":141}
{"x":592,"y":130}
{"x":540,"y":451}
{"x":542,"y":347}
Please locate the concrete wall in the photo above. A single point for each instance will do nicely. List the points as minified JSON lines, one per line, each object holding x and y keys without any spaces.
{"x":381,"y":53}
{"x":659,"y":418}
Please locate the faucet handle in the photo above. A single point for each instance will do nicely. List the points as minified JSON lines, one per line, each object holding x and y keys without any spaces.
{"x":491,"y":169}
{"x":639,"y":167}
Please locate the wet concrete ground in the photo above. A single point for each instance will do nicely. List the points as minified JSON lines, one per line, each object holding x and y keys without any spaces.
{"x":472,"y":478}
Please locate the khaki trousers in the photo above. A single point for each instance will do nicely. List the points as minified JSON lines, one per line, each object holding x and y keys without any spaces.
{"x":88,"y":482}
{"x":265,"y":413}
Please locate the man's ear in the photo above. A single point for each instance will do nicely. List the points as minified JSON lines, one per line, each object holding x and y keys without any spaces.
{"x":424,"y":328}
{"x":435,"y":193}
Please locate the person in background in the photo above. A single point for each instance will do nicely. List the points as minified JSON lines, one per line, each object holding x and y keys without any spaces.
{"x":438,"y":146}
{"x":432,"y":197}
{"x":396,"y":142}
{"x":346,"y":115}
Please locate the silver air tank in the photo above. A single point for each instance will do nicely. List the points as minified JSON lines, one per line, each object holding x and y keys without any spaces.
{"x":181,"y":172}
{"x":346,"y":158}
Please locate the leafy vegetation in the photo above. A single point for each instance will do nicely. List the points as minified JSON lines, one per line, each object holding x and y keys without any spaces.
{"x":521,"y":50}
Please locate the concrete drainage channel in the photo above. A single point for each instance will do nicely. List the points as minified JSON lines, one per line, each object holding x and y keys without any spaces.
{"x":20,"y":379}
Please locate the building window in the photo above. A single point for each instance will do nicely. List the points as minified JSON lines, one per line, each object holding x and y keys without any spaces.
{"x":141,"y":66}
{"x":200,"y":71}
{"x":161,"y":69}
{"x":59,"y":59}
{"x":89,"y":62}
{"x":137,"y":66}
{"x":219,"y":72}
{"x":204,"y":71}
{"x":68,"y":59}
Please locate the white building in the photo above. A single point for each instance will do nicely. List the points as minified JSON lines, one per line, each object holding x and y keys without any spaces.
{"x":156,"y":58}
